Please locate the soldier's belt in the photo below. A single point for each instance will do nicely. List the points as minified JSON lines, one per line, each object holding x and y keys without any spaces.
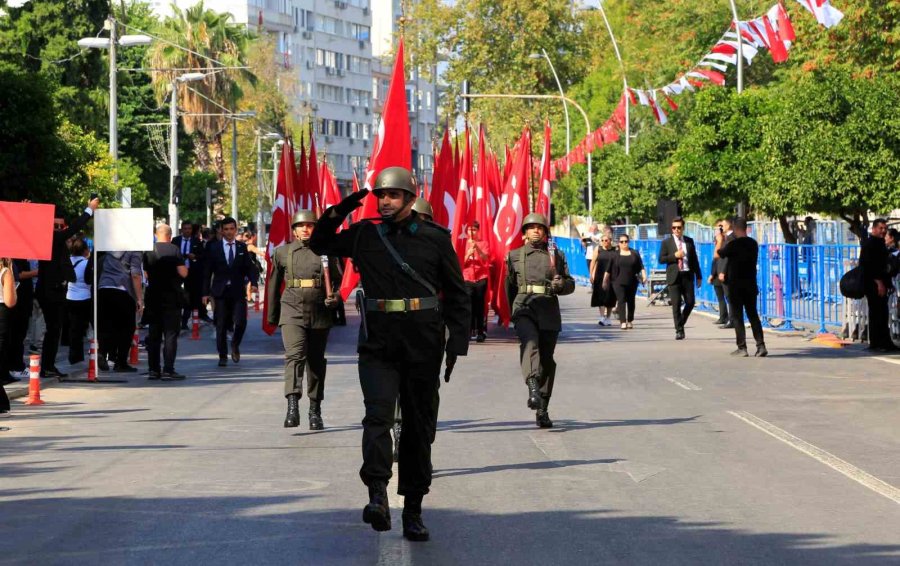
{"x":401,"y":305}
{"x":535,"y":289}
{"x":302,"y":283}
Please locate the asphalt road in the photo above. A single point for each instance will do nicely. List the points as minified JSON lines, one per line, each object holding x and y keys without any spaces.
{"x":664,"y":452}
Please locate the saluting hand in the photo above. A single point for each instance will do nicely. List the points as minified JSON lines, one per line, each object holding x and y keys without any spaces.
{"x":350,"y":203}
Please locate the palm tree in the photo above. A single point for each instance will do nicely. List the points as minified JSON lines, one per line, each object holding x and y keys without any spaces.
{"x":197,"y":36}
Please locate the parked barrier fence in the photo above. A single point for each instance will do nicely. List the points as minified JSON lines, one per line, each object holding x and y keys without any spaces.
{"x":798,"y":284}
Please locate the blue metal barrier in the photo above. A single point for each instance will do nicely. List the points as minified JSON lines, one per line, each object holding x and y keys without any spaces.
{"x":798,"y":284}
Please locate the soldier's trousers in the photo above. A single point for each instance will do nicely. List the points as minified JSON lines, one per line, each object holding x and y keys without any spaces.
{"x":417,"y":386}
{"x":536,"y":349}
{"x":304,"y":352}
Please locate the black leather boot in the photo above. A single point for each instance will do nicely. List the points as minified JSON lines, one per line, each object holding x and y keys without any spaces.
{"x":378,"y":512}
{"x":315,"y":416}
{"x":413,"y":527}
{"x":542,"y":417}
{"x":293,"y":412}
{"x":534,"y":393}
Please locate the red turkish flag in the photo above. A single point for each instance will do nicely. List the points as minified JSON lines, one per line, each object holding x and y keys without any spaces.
{"x":508,"y":225}
{"x":439,"y":181}
{"x":313,"y":180}
{"x":463,"y":198}
{"x":282,"y":212}
{"x":391,"y":149}
{"x":301,"y":191}
{"x":543,"y":202}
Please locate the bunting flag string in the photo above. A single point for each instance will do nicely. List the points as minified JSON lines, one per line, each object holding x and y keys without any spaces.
{"x":772,"y":31}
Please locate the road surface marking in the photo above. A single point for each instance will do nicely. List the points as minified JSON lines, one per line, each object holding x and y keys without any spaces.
{"x":551,"y":446}
{"x":684,"y":384}
{"x":888,"y":360}
{"x":868,"y":480}
{"x":391,"y":544}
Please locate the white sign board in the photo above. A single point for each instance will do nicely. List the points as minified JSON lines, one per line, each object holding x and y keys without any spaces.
{"x":123,"y":229}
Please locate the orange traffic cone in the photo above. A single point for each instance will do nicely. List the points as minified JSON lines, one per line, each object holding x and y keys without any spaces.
{"x":34,"y":381}
{"x":133,"y":358}
{"x":92,"y":362}
{"x":195,"y":326}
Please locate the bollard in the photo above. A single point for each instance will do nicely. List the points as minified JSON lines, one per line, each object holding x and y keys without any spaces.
{"x":256,"y":301}
{"x":34,"y":381}
{"x":195,"y":326}
{"x":92,"y":362}
{"x":779,"y":296}
{"x":133,"y":358}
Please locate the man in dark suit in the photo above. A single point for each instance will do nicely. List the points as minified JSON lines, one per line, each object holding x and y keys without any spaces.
{"x":682,"y":273}
{"x":191,"y":249}
{"x":53,"y":274}
{"x":873,"y":260}
{"x":742,"y":253}
{"x":228,"y":270}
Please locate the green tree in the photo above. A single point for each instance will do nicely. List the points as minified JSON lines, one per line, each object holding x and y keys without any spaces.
{"x":213,"y":36}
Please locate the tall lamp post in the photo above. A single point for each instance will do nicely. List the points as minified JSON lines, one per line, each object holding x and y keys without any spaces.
{"x":111,"y":43}
{"x":615,"y":44}
{"x":173,"y":141}
{"x":261,"y":239}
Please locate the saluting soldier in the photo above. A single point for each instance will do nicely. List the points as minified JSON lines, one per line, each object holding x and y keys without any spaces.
{"x":414,"y":290}
{"x":536,"y":274}
{"x":304,"y":313}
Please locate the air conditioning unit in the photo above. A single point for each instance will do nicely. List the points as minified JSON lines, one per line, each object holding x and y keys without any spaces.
{"x":328,"y":139}
{"x":309,"y":64}
{"x":351,"y":141}
{"x":368,"y":111}
{"x":365,"y":11}
{"x":307,"y":34}
{"x":353,"y":109}
{"x":362,"y":44}
{"x":329,"y":70}
{"x":365,"y":143}
{"x":342,"y":5}
{"x":341,"y":72}
{"x":314,"y":106}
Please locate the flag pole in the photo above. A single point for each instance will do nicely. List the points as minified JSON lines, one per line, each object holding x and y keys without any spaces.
{"x":615,"y":44}
{"x":740,"y":50}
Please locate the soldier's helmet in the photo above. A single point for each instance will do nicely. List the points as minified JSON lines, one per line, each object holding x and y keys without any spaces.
{"x":422,"y":207}
{"x":535,"y":218}
{"x":396,"y":178}
{"x":302,"y":216}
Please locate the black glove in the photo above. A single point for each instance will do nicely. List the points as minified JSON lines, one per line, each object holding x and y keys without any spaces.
{"x":350,"y":203}
{"x":451,"y":362}
{"x":332,"y":301}
{"x":557,"y":284}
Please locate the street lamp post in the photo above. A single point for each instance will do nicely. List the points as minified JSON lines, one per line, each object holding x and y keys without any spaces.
{"x":562,"y":94}
{"x":615,"y":44}
{"x":111,"y":43}
{"x":173,"y":141}
{"x":260,"y":196}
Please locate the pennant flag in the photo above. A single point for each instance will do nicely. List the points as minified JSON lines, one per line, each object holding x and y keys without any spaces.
{"x":776,"y":44}
{"x":463,"y":198}
{"x":543,"y":202}
{"x":313,"y":181}
{"x":783,"y":23}
{"x":826,"y":14}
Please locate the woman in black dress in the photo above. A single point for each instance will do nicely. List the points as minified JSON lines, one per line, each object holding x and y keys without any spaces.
{"x":623,"y":274}
{"x":605,"y":299}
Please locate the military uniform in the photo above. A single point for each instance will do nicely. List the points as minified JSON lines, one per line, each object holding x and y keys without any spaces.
{"x":402,"y":339}
{"x":304,"y":318}
{"x":536,"y":315}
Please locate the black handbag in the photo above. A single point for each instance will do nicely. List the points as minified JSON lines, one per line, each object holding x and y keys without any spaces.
{"x":852,"y":285}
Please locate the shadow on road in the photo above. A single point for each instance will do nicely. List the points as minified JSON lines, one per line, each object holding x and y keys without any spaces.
{"x":272,"y":529}
{"x":539,"y":465}
{"x":558,"y":424}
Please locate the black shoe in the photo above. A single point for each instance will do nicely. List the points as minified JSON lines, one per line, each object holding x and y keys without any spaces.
{"x":124,"y":368}
{"x":223,"y":362}
{"x":235,"y":352}
{"x":154,"y":375}
{"x":534,"y":393}
{"x":102,"y":364}
{"x":378,"y":513}
{"x":740,"y":353}
{"x":721,"y":321}
{"x":413,"y":527}
{"x":315,"y":416}
{"x":727,"y":325}
{"x":173,"y":376}
{"x":542,"y":418}
{"x":53,"y":372}
{"x":679,"y":334}
{"x":761,"y":351}
{"x":292,"y":419}
{"x":481,"y":337}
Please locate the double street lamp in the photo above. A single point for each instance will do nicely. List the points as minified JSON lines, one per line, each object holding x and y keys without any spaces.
{"x":111,"y":43}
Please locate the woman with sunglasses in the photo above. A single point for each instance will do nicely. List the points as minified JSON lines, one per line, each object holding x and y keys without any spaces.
{"x":605,"y":299}
{"x":623,"y":274}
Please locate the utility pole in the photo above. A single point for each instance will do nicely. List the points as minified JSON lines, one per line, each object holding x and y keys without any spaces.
{"x":740,"y":49}
{"x":234,"y":170}
{"x":173,"y":154}
{"x":113,"y":106}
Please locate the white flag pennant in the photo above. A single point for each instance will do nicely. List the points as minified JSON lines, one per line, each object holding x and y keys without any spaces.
{"x":824,"y":12}
{"x":718,"y":66}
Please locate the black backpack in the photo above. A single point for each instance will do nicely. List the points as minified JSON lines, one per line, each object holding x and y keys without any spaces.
{"x":852,"y":285}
